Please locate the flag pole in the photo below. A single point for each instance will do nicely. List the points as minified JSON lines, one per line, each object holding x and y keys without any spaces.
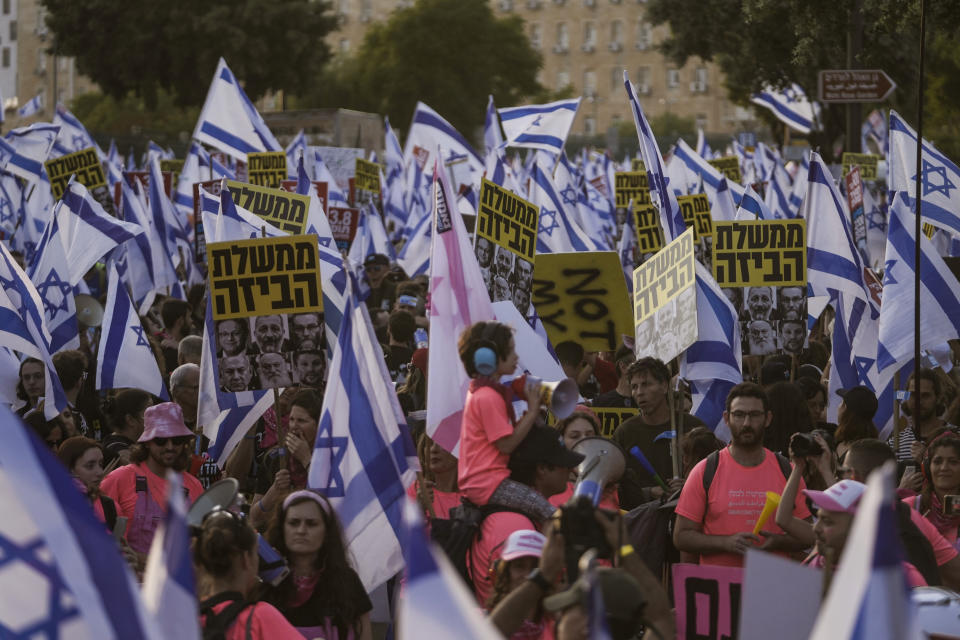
{"x":917,"y":192}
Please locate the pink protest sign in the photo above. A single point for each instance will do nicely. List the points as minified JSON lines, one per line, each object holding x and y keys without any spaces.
{"x":707,"y":599}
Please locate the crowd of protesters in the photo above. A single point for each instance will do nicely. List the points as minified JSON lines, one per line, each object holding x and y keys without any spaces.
{"x":518,"y":466}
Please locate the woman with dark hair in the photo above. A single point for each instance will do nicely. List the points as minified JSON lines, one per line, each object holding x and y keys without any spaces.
{"x":83,"y":458}
{"x":790,"y":415}
{"x":436,"y":487}
{"x":285,"y":465}
{"x":580,"y":424}
{"x":32,"y":384}
{"x":322,"y":596}
{"x":126,"y":418}
{"x":816,"y":396}
{"x":50,"y":431}
{"x":941,"y":478}
{"x":855,"y":417}
{"x":226,"y":554}
{"x":697,"y":444}
{"x":490,"y":432}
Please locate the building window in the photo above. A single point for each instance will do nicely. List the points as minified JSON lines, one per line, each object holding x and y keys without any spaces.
{"x":699,"y":84}
{"x":563,"y":79}
{"x":590,"y":83}
{"x":673,"y":78}
{"x":563,"y":37}
{"x":702,"y":121}
{"x":6,"y":57}
{"x":344,"y":45}
{"x":616,"y":79}
{"x":536,"y":35}
{"x":616,"y":32}
{"x":589,"y":36}
{"x":41,"y":60}
{"x":6,"y":7}
{"x":13,"y":31}
{"x":590,"y":125}
{"x":644,"y":35}
{"x":642,"y":81}
{"x":344,"y":7}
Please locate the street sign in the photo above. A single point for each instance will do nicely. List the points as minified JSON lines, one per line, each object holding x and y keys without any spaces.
{"x":855,"y":85}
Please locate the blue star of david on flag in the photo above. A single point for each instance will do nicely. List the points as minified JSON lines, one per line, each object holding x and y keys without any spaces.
{"x":32,"y":556}
{"x":888,"y":278}
{"x":141,"y":341}
{"x":536,"y":123}
{"x":875,"y":220}
{"x":548,"y":227}
{"x":943,"y":185}
{"x":863,"y":365}
{"x":79,"y":141}
{"x":6,"y":211}
{"x":569,"y":195}
{"x":337,"y":448}
{"x":54,"y":281}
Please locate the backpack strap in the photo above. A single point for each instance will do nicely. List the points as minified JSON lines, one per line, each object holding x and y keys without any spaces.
{"x":216,"y":624}
{"x":785,"y":467}
{"x":141,"y":484}
{"x":109,"y":511}
{"x":710,"y":470}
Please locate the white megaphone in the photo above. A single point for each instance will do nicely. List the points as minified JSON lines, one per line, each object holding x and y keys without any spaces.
{"x":604,"y":463}
{"x":559,"y":396}
{"x":225,"y":496}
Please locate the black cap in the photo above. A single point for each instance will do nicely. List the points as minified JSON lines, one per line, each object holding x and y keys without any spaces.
{"x":774,"y":371}
{"x":860,"y":400}
{"x":376,"y":258}
{"x":543,"y":446}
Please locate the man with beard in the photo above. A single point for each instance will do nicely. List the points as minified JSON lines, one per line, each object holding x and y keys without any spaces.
{"x":274,"y":371}
{"x":791,"y":304}
{"x":523,"y":274}
{"x":307,"y":331}
{"x":268,"y":331}
{"x":759,"y":303}
{"x":716,"y":515}
{"x":649,"y":382}
{"x":761,"y":339}
{"x":923,"y":407}
{"x":791,"y":336}
{"x":504,"y":263}
{"x":309,"y":366}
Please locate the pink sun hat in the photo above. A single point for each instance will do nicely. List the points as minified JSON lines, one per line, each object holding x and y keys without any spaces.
{"x":164,"y":420}
{"x":842,"y":496}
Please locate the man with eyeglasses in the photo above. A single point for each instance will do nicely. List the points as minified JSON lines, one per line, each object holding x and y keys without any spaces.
{"x":140,"y":488}
{"x":306,"y":329}
{"x":716,"y":516}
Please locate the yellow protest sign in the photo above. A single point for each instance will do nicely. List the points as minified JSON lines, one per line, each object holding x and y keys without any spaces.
{"x":284,"y":210}
{"x":367,"y":176}
{"x":85,"y":164}
{"x":267,"y":169}
{"x":264,"y":276}
{"x":646,"y":220}
{"x":928,"y":230}
{"x":665,"y":301}
{"x":866,"y":161}
{"x":728,"y":166}
{"x":582,"y":297}
{"x":612,"y":417}
{"x":636,"y":164}
{"x":507,"y":220}
{"x":696,"y":214}
{"x":631,"y":186}
{"x":760,"y":252}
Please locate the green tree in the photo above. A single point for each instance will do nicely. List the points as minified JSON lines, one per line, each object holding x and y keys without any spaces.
{"x":758,"y":42}
{"x":145,"y":47}
{"x":450,"y":54}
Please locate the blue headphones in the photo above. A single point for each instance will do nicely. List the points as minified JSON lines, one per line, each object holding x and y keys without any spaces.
{"x":485,"y":355}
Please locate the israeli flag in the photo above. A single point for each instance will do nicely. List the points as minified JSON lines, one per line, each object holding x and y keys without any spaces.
{"x":197,"y":159}
{"x":414,"y":256}
{"x":539,"y":126}
{"x":435,"y":602}
{"x":125,"y":358}
{"x":753,"y":207}
{"x":229,"y":121}
{"x":939,"y":178}
{"x":671,"y":217}
{"x":799,"y":191}
{"x":219,"y":170}
{"x":296,"y":149}
{"x":168,"y":582}
{"x":939,"y":291}
{"x":869,"y":596}
{"x":777,"y":197}
{"x":790,"y":105}
{"x":558,"y":232}
{"x":321,"y":173}
{"x":679,"y":179}
{"x":148,"y":267}
{"x":23,"y":328}
{"x":428,"y":132}
{"x":697,"y":165}
{"x":73,"y":135}
{"x":23,"y":151}
{"x":363,"y":458}
{"x":78,"y":235}
{"x":64,"y":576}
{"x":713,"y":364}
{"x":833,"y":260}
{"x":35,"y":105}
{"x":492,"y":136}
{"x":228,"y":428}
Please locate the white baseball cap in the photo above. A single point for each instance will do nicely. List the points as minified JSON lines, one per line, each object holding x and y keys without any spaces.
{"x":842,"y":496}
{"x":523,"y":543}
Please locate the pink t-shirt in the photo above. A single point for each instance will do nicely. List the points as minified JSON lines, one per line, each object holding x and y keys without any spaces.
{"x":942,"y":549}
{"x":737,"y":496}
{"x":121,"y":485}
{"x":482,"y":466}
{"x":486,"y":550}
{"x":443,"y":501}
{"x":608,"y":499}
{"x":267,"y":623}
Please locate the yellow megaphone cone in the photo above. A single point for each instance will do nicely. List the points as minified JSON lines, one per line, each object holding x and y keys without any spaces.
{"x":773,"y":501}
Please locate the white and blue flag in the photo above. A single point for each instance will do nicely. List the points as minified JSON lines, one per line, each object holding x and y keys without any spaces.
{"x":671,"y":218}
{"x":196,"y":168}
{"x":709,"y":174}
{"x":63,"y":575}
{"x":74,"y":136}
{"x":363,"y":457}
{"x":539,"y":126}
{"x":229,"y":121}
{"x":169,"y":590}
{"x":435,"y":602}
{"x":492,"y":135}
{"x":939,"y":176}
{"x":791,"y":106}
{"x":33,"y":106}
{"x":939,"y":291}
{"x":752,"y":205}
{"x":558,"y":232}
{"x":23,"y":151}
{"x":125,"y":357}
{"x":295,"y":150}
{"x":146,"y":266}
{"x":428,"y":132}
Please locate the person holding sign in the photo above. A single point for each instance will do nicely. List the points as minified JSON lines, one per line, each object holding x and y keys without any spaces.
{"x":719,"y":508}
{"x":489,"y":432}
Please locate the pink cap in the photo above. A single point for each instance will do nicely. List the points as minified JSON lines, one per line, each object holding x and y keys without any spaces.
{"x":164,"y":420}
{"x":523,"y":543}
{"x":842,"y":496}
